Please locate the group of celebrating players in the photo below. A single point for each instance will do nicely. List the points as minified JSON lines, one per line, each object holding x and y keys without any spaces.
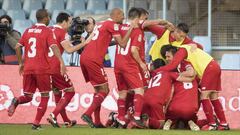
{"x":158,"y":96}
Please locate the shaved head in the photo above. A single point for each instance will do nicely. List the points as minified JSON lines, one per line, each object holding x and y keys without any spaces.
{"x":117,"y":15}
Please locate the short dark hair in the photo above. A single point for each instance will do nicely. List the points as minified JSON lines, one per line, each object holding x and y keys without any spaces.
{"x":133,"y":13}
{"x":62,"y":16}
{"x":183,"y":27}
{"x":41,"y":14}
{"x":158,"y":63}
{"x":168,"y":48}
{"x":143,"y":11}
{"x":7,"y":17}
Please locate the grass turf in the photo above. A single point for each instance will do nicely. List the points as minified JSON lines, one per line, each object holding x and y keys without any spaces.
{"x":7,"y":129}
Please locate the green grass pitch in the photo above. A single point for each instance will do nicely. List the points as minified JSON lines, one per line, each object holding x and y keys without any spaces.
{"x":7,"y":129}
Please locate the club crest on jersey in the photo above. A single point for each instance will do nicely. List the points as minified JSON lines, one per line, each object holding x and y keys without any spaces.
{"x":116,"y":27}
{"x":140,"y":38}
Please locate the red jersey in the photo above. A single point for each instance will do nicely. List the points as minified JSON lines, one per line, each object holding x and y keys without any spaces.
{"x":37,"y":40}
{"x":61,"y":36}
{"x":160,"y":85}
{"x":184,"y":89}
{"x":96,"y":49}
{"x":123,"y":58}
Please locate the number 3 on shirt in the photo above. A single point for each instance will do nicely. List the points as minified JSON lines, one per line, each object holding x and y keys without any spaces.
{"x":32,"y":42}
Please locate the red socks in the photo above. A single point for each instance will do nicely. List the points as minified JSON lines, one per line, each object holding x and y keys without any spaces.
{"x":97,"y":101}
{"x":207,"y":108}
{"x":63,"y":102}
{"x":63,"y":113}
{"x":24,"y":99}
{"x":121,"y":108}
{"x":219,"y":111}
{"x":41,"y":110}
{"x":138,"y":104}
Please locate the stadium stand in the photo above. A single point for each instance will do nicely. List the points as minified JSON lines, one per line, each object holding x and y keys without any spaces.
{"x":22,"y":25}
{"x":230,"y":61}
{"x":73,"y":5}
{"x":32,"y":16}
{"x":205,"y":41}
{"x":96,"y":6}
{"x":16,"y":14}
{"x":81,"y":13}
{"x":2,"y":12}
{"x":11,"y":5}
{"x":30,"y":5}
{"x":52,"y":5}
{"x":115,"y":3}
{"x":138,"y":3}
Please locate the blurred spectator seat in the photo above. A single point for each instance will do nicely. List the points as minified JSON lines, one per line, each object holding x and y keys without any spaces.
{"x":30,"y":5}
{"x":2,"y":12}
{"x":80,"y":13}
{"x":138,"y":3}
{"x":171,"y":15}
{"x":96,"y":6}
{"x":181,"y":7}
{"x":32,"y":16}
{"x":16,"y":14}
{"x":205,"y":41}
{"x":22,"y":25}
{"x":115,"y":4}
{"x":52,"y":5}
{"x":230,"y":61}
{"x":73,"y":5}
{"x":11,"y":5}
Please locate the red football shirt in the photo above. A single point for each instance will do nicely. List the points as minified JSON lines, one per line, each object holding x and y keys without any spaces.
{"x":37,"y":40}
{"x":123,"y":58}
{"x":160,"y":85}
{"x":61,"y":36}
{"x":96,"y":49}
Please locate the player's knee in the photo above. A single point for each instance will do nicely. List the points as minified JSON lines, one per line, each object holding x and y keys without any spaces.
{"x":122,"y":94}
{"x":69,"y":89}
{"x":139,"y":91}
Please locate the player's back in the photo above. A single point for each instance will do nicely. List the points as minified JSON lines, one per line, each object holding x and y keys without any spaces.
{"x":36,"y":40}
{"x":96,"y":49}
{"x":160,"y":85}
{"x":61,"y":35}
{"x":123,"y":56}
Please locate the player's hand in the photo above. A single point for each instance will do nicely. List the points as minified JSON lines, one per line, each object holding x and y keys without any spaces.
{"x":170,"y":26}
{"x":21,"y":66}
{"x":144,"y":67}
{"x":63,"y":69}
{"x":193,"y":47}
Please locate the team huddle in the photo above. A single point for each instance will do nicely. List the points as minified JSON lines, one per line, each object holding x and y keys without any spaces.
{"x":165,"y":94}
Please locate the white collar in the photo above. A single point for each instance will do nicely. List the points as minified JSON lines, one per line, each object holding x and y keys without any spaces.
{"x":57,"y":26}
{"x":40,"y":24}
{"x":110,"y":19}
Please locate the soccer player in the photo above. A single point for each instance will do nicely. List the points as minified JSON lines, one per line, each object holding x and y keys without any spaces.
{"x":62,"y":82}
{"x":92,"y":58}
{"x":36,"y":69}
{"x":176,"y":37}
{"x":184,"y":102}
{"x":158,"y":94}
{"x":209,"y":72}
{"x":128,"y":64}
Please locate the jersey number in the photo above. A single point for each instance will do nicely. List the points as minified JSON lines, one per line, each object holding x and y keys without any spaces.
{"x":124,"y":51}
{"x":32,"y":52}
{"x":96,"y":32}
{"x":155,"y":81}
